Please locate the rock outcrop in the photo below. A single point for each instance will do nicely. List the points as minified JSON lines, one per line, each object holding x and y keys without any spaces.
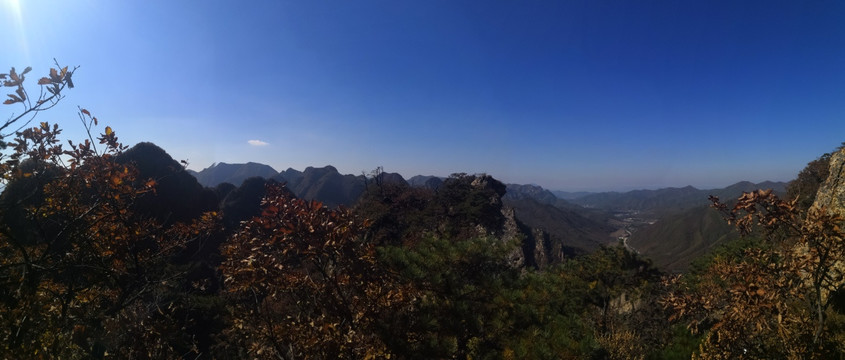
{"x":536,"y":249}
{"x":831,"y":194}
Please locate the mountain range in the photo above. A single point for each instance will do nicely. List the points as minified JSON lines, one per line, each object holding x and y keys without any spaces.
{"x":578,"y":229}
{"x":569,"y":195}
{"x":669,"y":200}
{"x":681,"y":226}
{"x":662,"y":201}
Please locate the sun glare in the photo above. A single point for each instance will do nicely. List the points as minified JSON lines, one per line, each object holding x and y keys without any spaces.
{"x":14,"y":10}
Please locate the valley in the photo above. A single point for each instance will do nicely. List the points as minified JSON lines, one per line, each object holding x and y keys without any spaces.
{"x":629,"y":222}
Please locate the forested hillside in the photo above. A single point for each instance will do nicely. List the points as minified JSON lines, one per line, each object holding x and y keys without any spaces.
{"x":674,"y":241}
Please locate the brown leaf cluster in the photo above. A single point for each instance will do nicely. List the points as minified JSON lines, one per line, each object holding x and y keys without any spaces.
{"x":76,"y":259}
{"x":305,"y":284}
{"x":775,"y":300}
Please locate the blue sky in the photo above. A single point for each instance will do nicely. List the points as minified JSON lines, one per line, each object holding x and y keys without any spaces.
{"x":571,"y":95}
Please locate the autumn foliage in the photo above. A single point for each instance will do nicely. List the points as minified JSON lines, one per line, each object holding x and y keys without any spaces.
{"x":304,"y":282}
{"x":81,"y":274}
{"x":775,"y":299}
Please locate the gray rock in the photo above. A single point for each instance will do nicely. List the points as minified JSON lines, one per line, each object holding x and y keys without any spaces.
{"x":831,"y":194}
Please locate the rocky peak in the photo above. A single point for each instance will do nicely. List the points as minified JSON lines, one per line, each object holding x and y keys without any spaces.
{"x":487,"y":182}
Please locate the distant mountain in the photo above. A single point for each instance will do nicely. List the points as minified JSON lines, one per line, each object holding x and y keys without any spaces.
{"x":566,"y":195}
{"x":393,"y":178}
{"x":661,"y":200}
{"x":234,"y":174}
{"x":535,"y":192}
{"x":735,"y":190}
{"x":543,"y":196}
{"x":291,"y":176}
{"x":386,"y":178}
{"x":430,"y":182}
{"x":669,"y":200}
{"x":324,"y":184}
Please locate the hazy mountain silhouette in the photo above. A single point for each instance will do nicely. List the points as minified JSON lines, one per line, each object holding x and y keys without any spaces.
{"x":569,"y":195}
{"x":543,"y":196}
{"x":539,"y":194}
{"x":234,"y":174}
{"x":323,"y":184}
{"x":669,"y":200}
{"x":426,"y":181}
{"x":393,"y":178}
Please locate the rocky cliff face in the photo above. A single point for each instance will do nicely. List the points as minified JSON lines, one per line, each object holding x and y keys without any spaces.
{"x":537,"y":250}
{"x":476,"y":200}
{"x":831,"y":194}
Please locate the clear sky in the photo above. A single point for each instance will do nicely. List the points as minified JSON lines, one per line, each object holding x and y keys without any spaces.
{"x":571,"y":95}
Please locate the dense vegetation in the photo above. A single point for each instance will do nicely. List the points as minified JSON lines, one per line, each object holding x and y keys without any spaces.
{"x":116,"y":253}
